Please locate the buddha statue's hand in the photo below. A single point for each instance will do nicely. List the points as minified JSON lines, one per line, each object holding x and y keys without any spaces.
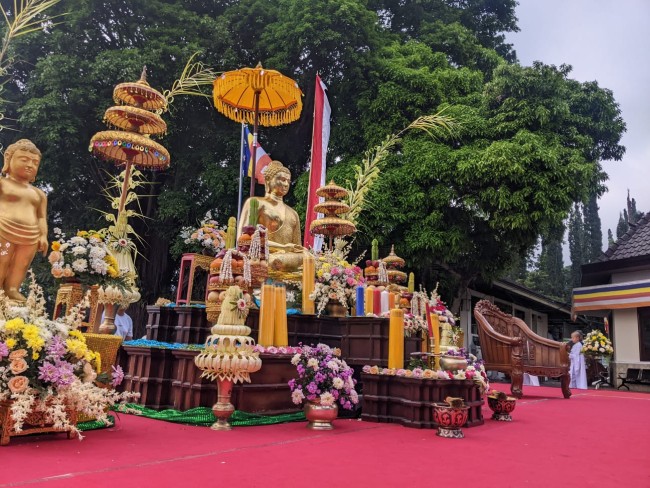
{"x":42,"y":245}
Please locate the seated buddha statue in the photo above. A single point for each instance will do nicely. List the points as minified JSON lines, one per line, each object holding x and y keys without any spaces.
{"x":23,"y":219}
{"x":281,"y":221}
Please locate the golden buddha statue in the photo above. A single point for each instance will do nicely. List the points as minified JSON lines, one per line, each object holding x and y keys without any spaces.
{"x":282,"y":222}
{"x":23,"y":222}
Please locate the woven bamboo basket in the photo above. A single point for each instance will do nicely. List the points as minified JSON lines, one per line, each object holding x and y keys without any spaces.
{"x":107,"y":346}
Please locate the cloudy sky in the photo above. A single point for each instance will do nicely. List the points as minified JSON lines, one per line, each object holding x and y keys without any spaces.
{"x":607,"y":41}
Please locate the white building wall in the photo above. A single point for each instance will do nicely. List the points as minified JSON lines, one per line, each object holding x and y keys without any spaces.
{"x":630,"y":276}
{"x":626,"y":335}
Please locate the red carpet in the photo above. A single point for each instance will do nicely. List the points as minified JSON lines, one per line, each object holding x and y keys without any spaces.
{"x":595,"y":439}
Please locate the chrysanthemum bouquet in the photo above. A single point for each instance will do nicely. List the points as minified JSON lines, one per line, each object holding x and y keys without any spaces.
{"x":597,"y":344}
{"x":337,"y":280}
{"x":209,"y":238}
{"x":323,"y":377}
{"x":46,"y":366}
{"x":84,"y":257}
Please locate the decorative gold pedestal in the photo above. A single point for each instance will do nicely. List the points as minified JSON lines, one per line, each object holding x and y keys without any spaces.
{"x":223,"y":409}
{"x":70,"y":294}
{"x":108,"y":325}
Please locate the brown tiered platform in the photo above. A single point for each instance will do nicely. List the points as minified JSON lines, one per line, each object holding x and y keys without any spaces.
{"x":409,"y":401}
{"x":168,"y":378}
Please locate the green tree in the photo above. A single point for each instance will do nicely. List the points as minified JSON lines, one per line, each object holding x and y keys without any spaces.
{"x":593,"y":230}
{"x":577,"y":245}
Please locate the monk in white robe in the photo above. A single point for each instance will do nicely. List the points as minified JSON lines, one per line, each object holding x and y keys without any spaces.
{"x":578,"y":370}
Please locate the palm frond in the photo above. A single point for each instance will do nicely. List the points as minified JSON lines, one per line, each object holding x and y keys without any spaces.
{"x":193,"y":79}
{"x":368,"y":172}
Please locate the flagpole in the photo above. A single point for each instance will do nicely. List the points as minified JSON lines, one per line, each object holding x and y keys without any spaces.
{"x":241,"y":173}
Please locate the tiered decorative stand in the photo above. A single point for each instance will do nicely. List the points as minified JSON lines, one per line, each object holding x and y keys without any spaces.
{"x":394,"y":264}
{"x":331,"y":225}
{"x":70,"y":294}
{"x":230,"y":267}
{"x":228,"y":356}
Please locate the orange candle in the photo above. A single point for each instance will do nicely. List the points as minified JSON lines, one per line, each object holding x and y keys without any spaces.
{"x":435,"y":324}
{"x":267,"y":307}
{"x":280,"y":333}
{"x":396,"y":339}
{"x":368,"y":301}
{"x":391,"y":301}
{"x":308,"y":280}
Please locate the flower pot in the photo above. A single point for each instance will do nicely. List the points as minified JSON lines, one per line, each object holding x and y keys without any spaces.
{"x":335,"y":309}
{"x":502,"y":407}
{"x":453,"y":363}
{"x":450,"y":420}
{"x":320,"y":417}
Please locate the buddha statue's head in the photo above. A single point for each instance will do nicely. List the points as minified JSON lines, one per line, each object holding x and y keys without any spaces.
{"x":29,"y":156}
{"x":277,"y":179}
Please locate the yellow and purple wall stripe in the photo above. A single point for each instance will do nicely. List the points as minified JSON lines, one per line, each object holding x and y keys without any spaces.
{"x":632,"y":294}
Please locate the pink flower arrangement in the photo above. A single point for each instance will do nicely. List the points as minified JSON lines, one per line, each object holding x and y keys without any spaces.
{"x":323,"y":377}
{"x":336,"y":279}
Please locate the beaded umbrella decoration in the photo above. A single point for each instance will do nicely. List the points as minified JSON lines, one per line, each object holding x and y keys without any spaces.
{"x":257,"y":96}
{"x":132,"y":146}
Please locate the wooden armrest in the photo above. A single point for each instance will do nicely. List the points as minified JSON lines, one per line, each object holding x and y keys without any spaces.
{"x":489,"y":330}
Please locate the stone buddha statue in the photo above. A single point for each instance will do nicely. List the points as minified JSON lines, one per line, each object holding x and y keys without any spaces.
{"x":23,"y":216}
{"x":282,"y":222}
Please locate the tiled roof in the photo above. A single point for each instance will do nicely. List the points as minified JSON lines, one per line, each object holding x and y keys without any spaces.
{"x":634,"y":243}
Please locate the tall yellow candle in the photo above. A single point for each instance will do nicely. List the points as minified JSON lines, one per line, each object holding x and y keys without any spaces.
{"x":308,"y":280}
{"x":267,"y":307}
{"x":391,"y":301}
{"x":368,"y":300}
{"x":396,"y":339}
{"x":280,"y":334}
{"x":435,"y":324}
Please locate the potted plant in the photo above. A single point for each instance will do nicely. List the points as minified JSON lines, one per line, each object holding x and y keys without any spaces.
{"x":324,"y":382}
{"x":336,"y":283}
{"x":47,"y":373}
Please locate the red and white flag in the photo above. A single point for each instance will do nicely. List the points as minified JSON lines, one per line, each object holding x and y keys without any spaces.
{"x":319,"y":142}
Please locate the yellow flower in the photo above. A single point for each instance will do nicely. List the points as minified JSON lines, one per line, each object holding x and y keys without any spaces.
{"x":11,"y":343}
{"x":98,"y":362}
{"x":14,"y":325}
{"x":56,"y":245}
{"x":35,"y":356}
{"x":112,"y":272}
{"x":76,"y":347}
{"x":82,"y":233}
{"x":77,"y":335}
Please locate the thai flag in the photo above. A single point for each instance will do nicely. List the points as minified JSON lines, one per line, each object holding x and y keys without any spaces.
{"x":262,"y":159}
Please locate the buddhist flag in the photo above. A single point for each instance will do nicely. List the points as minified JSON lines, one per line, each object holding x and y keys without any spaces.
{"x":319,"y":142}
{"x":262,"y":159}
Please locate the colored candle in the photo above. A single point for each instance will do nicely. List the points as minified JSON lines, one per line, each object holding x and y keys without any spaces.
{"x":369,"y":295}
{"x":384,"y":301}
{"x":360,"y":305}
{"x":391,"y":301}
{"x":396,"y":339}
{"x":435,"y":323}
{"x":376,"y":301}
{"x":267,"y":310}
{"x":308,"y":280}
{"x":280,"y":333}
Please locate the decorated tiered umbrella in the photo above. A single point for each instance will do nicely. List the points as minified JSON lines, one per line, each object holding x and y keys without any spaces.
{"x":130,"y":145}
{"x":257,"y":96}
{"x":331,"y":224}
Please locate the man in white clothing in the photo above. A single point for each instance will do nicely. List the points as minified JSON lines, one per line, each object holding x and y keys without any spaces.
{"x":123,"y":324}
